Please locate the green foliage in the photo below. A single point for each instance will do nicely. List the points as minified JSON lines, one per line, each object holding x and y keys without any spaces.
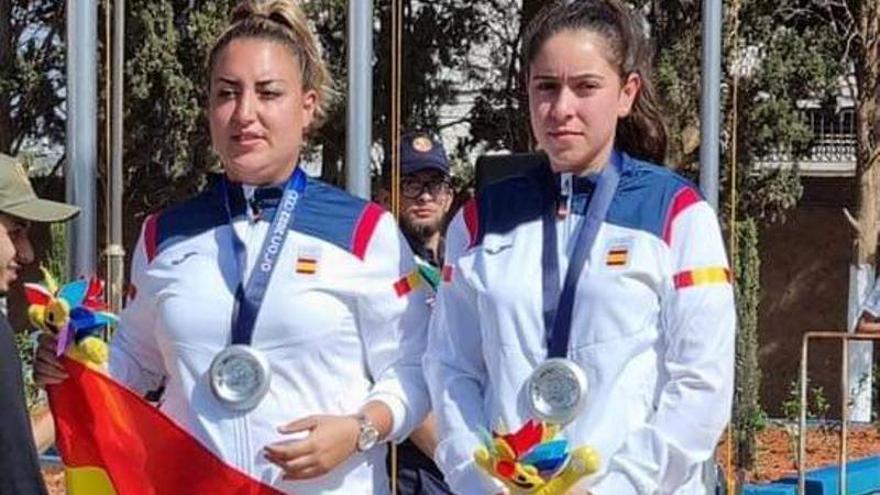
{"x":56,"y":255}
{"x":875,"y":415}
{"x":32,"y":392}
{"x":32,"y":74}
{"x":167,"y":150}
{"x":817,"y":404}
{"x":499,"y":118}
{"x":748,"y":416}
{"x":791,"y":408}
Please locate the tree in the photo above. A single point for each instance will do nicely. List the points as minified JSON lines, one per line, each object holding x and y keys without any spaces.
{"x":854,"y":27}
{"x":499,"y":117}
{"x":437,"y":38}
{"x":32,"y":74}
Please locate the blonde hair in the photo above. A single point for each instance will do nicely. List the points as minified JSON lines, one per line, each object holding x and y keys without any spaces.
{"x":282,"y":21}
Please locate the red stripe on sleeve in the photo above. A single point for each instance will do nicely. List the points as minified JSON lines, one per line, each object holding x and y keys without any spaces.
{"x":150,"y":230}
{"x":364,"y":229}
{"x":471,"y":220}
{"x":683,"y":199}
{"x":402,"y":287}
{"x":683,"y":279}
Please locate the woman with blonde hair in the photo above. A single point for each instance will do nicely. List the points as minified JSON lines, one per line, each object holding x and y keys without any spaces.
{"x":269,"y":309}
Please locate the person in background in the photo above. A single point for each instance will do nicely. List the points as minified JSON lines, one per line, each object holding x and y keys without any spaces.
{"x":426,"y":196}
{"x":19,"y":207}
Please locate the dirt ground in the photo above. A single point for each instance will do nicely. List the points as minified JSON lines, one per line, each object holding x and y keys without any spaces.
{"x":775,"y":456}
{"x":776,"y":452}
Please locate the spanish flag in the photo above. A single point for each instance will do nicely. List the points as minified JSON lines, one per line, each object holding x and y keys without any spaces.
{"x":112,"y":442}
{"x":702,"y":276}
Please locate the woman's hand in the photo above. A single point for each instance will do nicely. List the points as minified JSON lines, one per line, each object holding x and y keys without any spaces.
{"x":330,"y":441}
{"x":47,"y":368}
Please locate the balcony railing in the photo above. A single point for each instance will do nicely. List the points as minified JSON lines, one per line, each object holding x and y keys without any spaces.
{"x":831,"y":155}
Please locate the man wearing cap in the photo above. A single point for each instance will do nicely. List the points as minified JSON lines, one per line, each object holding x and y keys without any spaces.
{"x":19,"y":206}
{"x":425,"y":194}
{"x":425,"y":199}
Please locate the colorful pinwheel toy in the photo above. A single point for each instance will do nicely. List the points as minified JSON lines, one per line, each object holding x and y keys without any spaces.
{"x":75,"y":314}
{"x":533,"y":461}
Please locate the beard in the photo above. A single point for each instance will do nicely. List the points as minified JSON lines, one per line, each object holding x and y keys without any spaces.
{"x":421,"y":231}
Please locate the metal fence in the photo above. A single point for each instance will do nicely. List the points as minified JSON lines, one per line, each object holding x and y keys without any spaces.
{"x":844,"y":338}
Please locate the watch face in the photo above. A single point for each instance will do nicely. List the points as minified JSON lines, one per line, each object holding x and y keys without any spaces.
{"x":367,"y":438}
{"x":368,"y":435}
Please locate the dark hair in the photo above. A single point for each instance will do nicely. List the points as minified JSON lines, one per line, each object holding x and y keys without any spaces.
{"x":642,"y":133}
{"x":282,"y":21}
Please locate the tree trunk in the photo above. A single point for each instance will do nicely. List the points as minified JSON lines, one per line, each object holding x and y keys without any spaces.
{"x":867,"y":65}
{"x":867,"y":73}
{"x":7,"y":55}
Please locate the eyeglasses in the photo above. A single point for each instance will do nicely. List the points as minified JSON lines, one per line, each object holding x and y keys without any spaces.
{"x":413,"y":188}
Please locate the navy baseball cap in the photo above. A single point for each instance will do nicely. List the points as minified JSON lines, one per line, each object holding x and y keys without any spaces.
{"x":419,"y":151}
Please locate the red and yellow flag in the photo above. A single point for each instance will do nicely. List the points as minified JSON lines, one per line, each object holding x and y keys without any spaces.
{"x":113,"y":442}
{"x":407,"y":284}
{"x":702,"y":276}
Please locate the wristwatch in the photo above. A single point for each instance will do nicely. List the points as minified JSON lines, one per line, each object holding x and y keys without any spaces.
{"x":368,"y":434}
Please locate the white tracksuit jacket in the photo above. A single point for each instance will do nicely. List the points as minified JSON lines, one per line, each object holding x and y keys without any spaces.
{"x":335,"y":329}
{"x":653,"y":327}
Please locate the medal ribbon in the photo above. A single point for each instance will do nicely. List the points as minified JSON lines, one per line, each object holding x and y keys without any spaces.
{"x":557,"y":320}
{"x":249,"y":298}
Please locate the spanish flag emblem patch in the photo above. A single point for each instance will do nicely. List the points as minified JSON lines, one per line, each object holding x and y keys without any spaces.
{"x":306,"y":266}
{"x":617,"y":256}
{"x":307,"y":260}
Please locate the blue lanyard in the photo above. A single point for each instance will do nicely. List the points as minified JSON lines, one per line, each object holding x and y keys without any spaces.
{"x":249,"y":298}
{"x":557,"y":319}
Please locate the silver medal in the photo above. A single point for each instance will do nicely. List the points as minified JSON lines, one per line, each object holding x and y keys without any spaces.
{"x":239,"y":377}
{"x":557,"y":390}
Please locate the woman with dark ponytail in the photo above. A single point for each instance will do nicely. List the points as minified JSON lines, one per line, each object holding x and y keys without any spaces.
{"x":272,"y":319}
{"x":594,"y":293}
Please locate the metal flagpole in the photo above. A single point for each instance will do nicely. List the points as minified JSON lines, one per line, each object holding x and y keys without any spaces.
{"x":82,"y":133}
{"x":710,"y":133}
{"x":115,"y":252}
{"x":360,"y":97}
